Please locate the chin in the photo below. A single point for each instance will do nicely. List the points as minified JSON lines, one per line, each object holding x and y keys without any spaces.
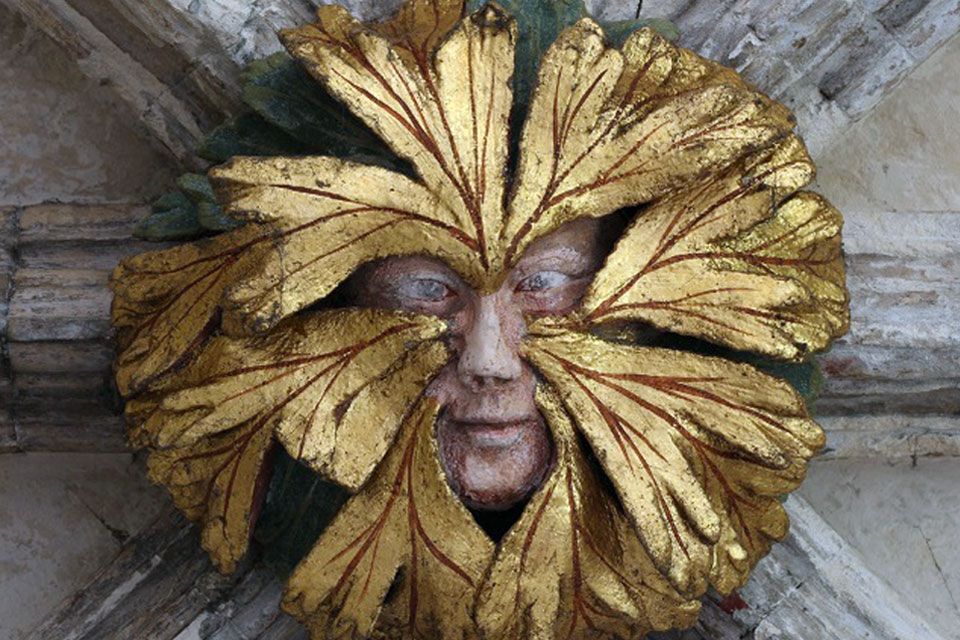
{"x":494,"y":466}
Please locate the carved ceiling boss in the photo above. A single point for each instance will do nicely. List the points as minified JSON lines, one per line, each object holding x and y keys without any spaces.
{"x":498,"y":328}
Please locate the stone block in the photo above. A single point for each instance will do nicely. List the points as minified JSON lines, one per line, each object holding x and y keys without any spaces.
{"x":79,"y":223}
{"x":923,"y":29}
{"x":864,"y":69}
{"x":80,"y":237}
{"x":905,"y":518}
{"x":819,"y":120}
{"x":73,"y":357}
{"x":59,"y":304}
{"x":62,"y":424}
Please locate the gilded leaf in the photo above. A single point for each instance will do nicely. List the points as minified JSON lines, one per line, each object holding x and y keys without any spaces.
{"x":572,"y":567}
{"x":307,"y":380}
{"x":167,"y":302}
{"x":219,"y":482}
{"x":668,"y":464}
{"x":330,"y":216}
{"x":610,"y":129}
{"x":697,"y":448}
{"x":317,"y":220}
{"x":438,"y":92}
{"x":743,"y":261}
{"x":403,"y":557}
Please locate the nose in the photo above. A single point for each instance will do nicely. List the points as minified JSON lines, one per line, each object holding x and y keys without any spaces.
{"x":490,"y":352}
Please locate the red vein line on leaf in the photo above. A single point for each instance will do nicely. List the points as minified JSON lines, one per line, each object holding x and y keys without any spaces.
{"x":416,"y":531}
{"x":525,"y":550}
{"x":581,"y":605}
{"x":173,"y":325}
{"x":605,"y":177}
{"x":679,"y":388}
{"x":471,"y":201}
{"x":699,"y":446}
{"x":457,"y":234}
{"x":568,"y":117}
{"x":372,"y":532}
{"x":424,"y":137}
{"x":571,"y":369}
{"x":549,"y":199}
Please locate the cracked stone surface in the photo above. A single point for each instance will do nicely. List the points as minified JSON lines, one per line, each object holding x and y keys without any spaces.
{"x":62,"y":517}
{"x":896,"y":177}
{"x":62,"y":135}
{"x":903,"y":518}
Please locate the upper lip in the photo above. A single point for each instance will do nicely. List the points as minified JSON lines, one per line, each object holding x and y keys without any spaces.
{"x":490,"y":421}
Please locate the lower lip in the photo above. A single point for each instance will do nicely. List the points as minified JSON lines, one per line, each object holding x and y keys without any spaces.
{"x":493,"y":435}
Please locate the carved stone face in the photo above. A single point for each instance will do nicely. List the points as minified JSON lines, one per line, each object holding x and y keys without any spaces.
{"x":652,"y":471}
{"x":494,"y":445}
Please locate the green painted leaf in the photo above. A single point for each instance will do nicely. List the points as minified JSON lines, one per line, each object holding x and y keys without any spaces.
{"x":200,"y":192}
{"x":299,"y":506}
{"x":248,"y":135}
{"x":196,"y":187}
{"x":174,"y":217}
{"x":285,"y":96}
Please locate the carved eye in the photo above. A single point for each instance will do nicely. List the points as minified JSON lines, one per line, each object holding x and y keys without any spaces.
{"x":543,"y":281}
{"x":424,"y":289}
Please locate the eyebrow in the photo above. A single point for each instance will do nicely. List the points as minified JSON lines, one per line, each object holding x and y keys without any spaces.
{"x":430,"y":270}
{"x":559,"y":256}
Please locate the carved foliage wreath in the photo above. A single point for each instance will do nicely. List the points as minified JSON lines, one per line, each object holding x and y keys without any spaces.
{"x":220,"y":356}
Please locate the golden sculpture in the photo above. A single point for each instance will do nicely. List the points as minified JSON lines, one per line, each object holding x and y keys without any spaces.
{"x":220,"y":357}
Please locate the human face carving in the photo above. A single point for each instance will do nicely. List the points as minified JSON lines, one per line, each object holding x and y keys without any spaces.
{"x":495,"y":447}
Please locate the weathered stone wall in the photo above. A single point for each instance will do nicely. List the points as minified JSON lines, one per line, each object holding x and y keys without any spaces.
{"x":889,"y":485}
{"x":64,"y":136}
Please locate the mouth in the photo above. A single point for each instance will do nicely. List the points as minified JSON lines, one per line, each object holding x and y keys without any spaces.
{"x":493,"y":435}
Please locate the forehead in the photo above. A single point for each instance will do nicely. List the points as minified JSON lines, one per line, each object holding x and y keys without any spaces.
{"x":577,"y":240}
{"x":578,"y":243}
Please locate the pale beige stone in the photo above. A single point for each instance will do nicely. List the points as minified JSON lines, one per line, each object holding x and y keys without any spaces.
{"x":59,"y":304}
{"x":64,"y":135}
{"x":61,"y":518}
{"x":904,"y":520}
{"x":903,"y":156}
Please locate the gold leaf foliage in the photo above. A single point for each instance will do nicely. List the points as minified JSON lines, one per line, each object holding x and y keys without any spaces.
{"x":307,"y":382}
{"x":218,"y":482}
{"x":743,"y":261}
{"x":406,"y":539}
{"x":572,"y":567}
{"x":609,"y":129}
{"x":166,"y":302}
{"x":328,"y":217}
{"x":668,"y":464}
{"x":698,"y":449}
{"x":437,"y":89}
{"x":309,"y":235}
